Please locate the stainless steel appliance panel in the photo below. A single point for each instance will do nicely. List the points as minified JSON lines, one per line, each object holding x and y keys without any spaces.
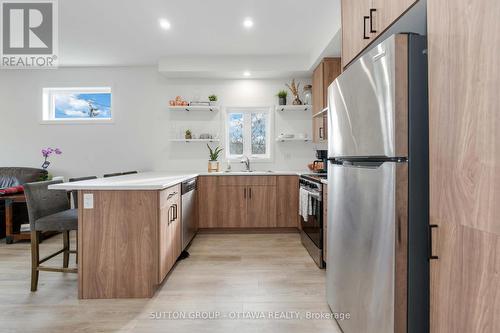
{"x":361,"y":106}
{"x":361,"y":237}
{"x":189,"y":221}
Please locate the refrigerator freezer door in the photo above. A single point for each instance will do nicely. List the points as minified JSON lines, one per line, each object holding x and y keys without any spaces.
{"x":367,"y":111}
{"x":362,"y":209}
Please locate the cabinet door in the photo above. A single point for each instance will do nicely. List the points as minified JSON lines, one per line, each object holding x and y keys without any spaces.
{"x":165,"y":239}
{"x":318,"y":103}
{"x":464,"y":126}
{"x":233,"y":206}
{"x":261,"y":207}
{"x":326,"y":72}
{"x":387,"y":12}
{"x":176,"y":229}
{"x":354,"y":28}
{"x":208,"y":200}
{"x":287,"y":202}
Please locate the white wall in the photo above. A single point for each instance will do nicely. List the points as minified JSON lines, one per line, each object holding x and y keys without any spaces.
{"x":138,"y":139}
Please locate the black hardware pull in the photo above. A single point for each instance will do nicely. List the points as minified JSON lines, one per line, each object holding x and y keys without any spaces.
{"x":365,"y":18}
{"x":175,"y":212}
{"x":321,"y":132}
{"x":250,"y":192}
{"x":169,"y":215}
{"x":372,"y":10}
{"x":245,"y":193}
{"x":431,"y":256}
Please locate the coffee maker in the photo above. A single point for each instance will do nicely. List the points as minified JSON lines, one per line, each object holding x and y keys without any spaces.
{"x":321,"y":162}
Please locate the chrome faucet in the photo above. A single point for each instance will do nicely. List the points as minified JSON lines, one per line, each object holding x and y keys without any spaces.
{"x":246,"y":160}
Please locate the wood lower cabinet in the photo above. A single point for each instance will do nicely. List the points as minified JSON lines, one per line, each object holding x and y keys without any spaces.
{"x":169,"y":247}
{"x":464,"y":164}
{"x":261,"y":207}
{"x":208,"y":202}
{"x":324,"y":74}
{"x":287,"y":202}
{"x":233,"y":206}
{"x":248,"y":201}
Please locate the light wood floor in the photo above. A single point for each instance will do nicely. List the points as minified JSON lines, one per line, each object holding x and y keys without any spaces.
{"x":225,"y":273}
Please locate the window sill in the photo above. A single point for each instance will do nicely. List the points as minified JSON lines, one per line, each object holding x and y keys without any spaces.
{"x":78,"y":122}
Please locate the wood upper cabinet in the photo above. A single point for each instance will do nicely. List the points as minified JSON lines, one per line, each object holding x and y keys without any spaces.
{"x":287,"y":202}
{"x":324,"y":74}
{"x":169,"y":246}
{"x":464,"y":164}
{"x":385,"y":12}
{"x":208,"y":201}
{"x":364,"y":20}
{"x":355,"y":28}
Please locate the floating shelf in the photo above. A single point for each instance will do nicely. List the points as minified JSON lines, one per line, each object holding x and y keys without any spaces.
{"x":293,"y":139}
{"x":320,"y":114}
{"x":194,"y":108}
{"x":194,"y":140}
{"x":293,"y":107}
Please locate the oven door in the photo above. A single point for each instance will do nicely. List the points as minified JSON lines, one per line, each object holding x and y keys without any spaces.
{"x":313,"y":227}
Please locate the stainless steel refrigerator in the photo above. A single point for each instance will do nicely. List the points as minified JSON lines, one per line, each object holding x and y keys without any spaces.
{"x":377,"y":264}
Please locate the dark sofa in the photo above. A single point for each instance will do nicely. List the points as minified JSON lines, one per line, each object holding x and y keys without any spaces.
{"x":14,"y":176}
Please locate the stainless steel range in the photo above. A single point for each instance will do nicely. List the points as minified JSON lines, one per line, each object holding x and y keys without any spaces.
{"x":311,"y":215}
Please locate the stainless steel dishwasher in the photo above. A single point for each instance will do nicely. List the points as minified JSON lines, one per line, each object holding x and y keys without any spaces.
{"x":189,"y":218}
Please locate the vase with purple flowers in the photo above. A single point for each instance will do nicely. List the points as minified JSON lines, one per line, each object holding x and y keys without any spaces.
{"x":46,"y":153}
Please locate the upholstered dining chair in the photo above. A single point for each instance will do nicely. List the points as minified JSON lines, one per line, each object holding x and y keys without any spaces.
{"x":49,"y":210}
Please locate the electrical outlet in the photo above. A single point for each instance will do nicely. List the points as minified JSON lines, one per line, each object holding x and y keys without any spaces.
{"x":88,"y":201}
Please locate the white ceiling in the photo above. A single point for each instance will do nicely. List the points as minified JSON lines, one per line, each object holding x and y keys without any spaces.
{"x":127,"y":32}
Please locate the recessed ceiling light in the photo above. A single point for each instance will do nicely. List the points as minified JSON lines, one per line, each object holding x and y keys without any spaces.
{"x":164,"y":24}
{"x":248,"y":23}
{"x":247,"y":73}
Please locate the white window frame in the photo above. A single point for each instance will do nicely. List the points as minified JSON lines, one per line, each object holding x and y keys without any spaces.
{"x":48,"y":107}
{"x":247,"y":133}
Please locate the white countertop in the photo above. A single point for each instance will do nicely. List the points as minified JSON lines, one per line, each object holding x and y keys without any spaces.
{"x":154,"y":180}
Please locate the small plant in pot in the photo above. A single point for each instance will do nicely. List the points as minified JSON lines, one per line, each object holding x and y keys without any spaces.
{"x":213,"y":99}
{"x":282,"y":94}
{"x":188,"y":135}
{"x":213,"y":163}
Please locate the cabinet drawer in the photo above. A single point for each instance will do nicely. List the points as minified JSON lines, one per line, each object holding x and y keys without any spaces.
{"x":247,"y":180}
{"x":170,"y":194}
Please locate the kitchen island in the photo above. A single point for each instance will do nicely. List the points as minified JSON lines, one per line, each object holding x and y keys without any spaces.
{"x":129,"y":230}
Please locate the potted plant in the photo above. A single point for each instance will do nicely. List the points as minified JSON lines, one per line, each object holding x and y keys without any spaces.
{"x":294,"y":89}
{"x":46,"y":153}
{"x":188,"y":135}
{"x":282,"y":94}
{"x":213,"y":163}
{"x":213,"y":99}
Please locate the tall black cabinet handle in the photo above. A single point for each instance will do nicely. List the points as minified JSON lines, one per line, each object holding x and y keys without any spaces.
{"x":245,"y":193}
{"x":365,"y":18}
{"x":372,"y":10}
{"x":250,"y":192}
{"x":431,"y":255}
{"x":175,"y":212}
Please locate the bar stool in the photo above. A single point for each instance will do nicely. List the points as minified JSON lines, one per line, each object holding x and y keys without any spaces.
{"x":49,"y":210}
